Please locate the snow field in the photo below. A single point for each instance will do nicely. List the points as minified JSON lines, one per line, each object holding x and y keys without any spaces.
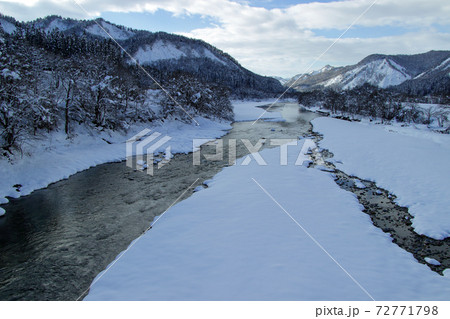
{"x":413,"y":164}
{"x":231,"y":241}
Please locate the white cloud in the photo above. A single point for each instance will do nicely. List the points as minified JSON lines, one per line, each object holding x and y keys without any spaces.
{"x":282,"y":41}
{"x":339,"y":15}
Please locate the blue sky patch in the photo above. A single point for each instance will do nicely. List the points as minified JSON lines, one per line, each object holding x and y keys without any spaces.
{"x":161,"y":20}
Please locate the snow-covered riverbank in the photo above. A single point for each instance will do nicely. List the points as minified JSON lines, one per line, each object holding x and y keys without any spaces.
{"x":231,"y":241}
{"x":54,"y":157}
{"x":411,"y":163}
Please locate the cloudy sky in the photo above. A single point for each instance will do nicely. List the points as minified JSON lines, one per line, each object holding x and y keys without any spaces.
{"x":271,"y":37}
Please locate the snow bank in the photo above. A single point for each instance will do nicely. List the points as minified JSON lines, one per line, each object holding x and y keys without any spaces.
{"x":230,"y":241}
{"x":249,"y":111}
{"x":54,"y":157}
{"x":412,"y":164}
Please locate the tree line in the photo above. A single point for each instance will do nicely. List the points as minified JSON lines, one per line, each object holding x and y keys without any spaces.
{"x":373,"y":102}
{"x":56,"y":81}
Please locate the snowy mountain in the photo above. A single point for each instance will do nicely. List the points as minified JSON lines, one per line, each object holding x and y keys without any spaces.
{"x":383,"y":71}
{"x":282,"y":80}
{"x":324,"y":69}
{"x":146,"y":53}
{"x":160,"y":52}
{"x":304,"y":77}
{"x":435,"y":80}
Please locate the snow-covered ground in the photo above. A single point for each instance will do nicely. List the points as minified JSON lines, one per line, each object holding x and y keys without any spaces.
{"x":54,"y":157}
{"x":412,"y":163}
{"x":231,"y":241}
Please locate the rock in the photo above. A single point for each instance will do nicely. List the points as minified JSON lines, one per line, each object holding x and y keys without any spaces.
{"x":432,"y":261}
{"x":198,"y":188}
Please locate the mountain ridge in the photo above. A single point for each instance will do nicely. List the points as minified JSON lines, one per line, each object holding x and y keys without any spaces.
{"x":162,"y":51}
{"x":400,"y":72}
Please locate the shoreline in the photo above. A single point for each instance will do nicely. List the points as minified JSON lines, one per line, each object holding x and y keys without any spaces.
{"x":35,"y":172}
{"x":31,"y":173}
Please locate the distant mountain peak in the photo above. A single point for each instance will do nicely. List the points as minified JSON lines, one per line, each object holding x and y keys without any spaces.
{"x":377,"y":69}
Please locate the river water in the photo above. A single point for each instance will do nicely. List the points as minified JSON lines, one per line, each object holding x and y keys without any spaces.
{"x":54,"y":241}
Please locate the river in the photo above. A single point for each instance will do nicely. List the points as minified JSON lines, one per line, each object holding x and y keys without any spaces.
{"x":54,"y":241}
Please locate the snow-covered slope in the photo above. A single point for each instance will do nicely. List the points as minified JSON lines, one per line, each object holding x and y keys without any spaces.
{"x":382,"y":73}
{"x":57,"y":24}
{"x":324,"y":69}
{"x":165,"y":50}
{"x":299,"y":78}
{"x":7,"y":26}
{"x":146,"y":51}
{"x":444,"y":65}
{"x":112,"y":30}
{"x":441,"y":67}
{"x":158,"y":51}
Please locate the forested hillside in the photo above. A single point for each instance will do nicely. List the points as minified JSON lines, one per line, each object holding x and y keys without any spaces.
{"x":56,"y":74}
